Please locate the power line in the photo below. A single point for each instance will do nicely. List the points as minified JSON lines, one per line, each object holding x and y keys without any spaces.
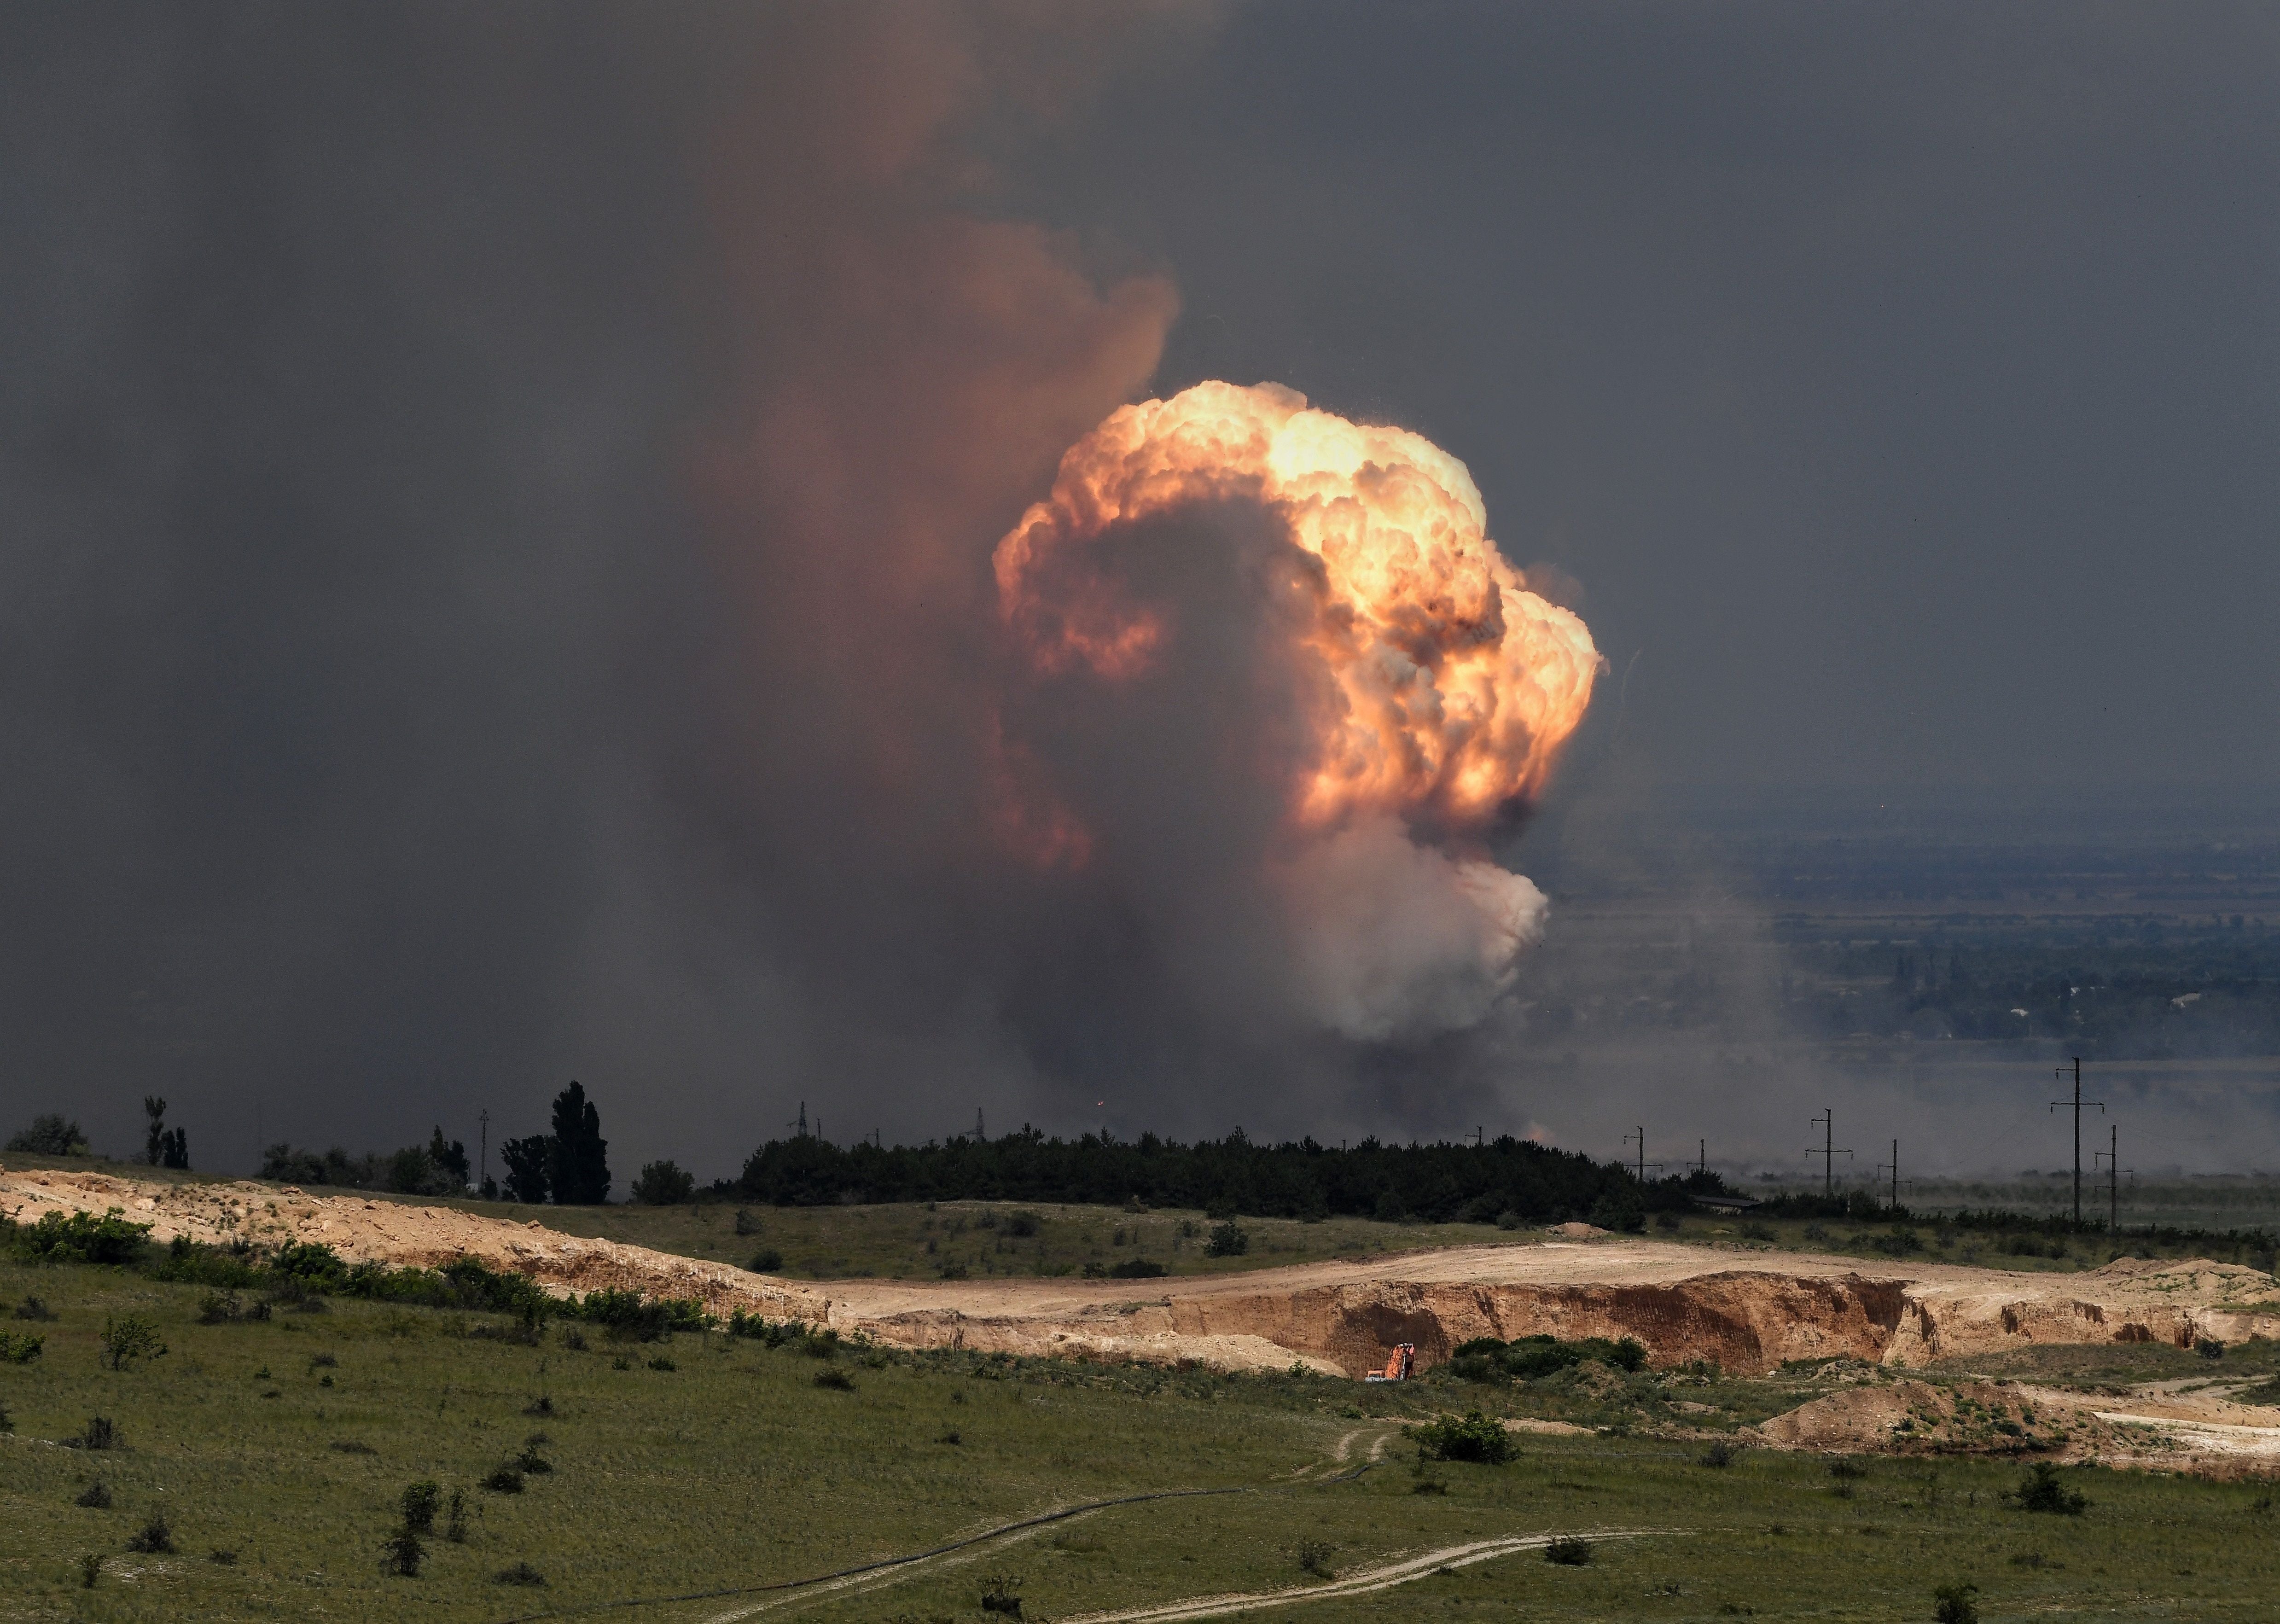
{"x":1642,"y":1163}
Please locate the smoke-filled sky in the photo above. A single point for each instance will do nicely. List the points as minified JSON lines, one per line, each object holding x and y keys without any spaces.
{"x":497,"y":508}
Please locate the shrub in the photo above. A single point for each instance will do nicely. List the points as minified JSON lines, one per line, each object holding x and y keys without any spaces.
{"x":2209,"y":1348}
{"x":574,"y":1339}
{"x":1227,"y":1240}
{"x":96,"y":1496}
{"x":530,"y":1461}
{"x":353,"y":1446}
{"x":1568,"y":1551}
{"x":661,"y":1362}
{"x":1486,"y":1358}
{"x":7,"y":1422}
{"x":421,"y":1501}
{"x":19,"y":1350}
{"x":154,"y":1538}
{"x":455,"y":1523}
{"x":1315,"y":1557}
{"x":663,"y":1184}
{"x":50,"y":1135}
{"x":505,"y":1479}
{"x":627,"y":1316}
{"x":2042,"y":1489}
{"x":521,"y":1573}
{"x":81,"y":1237}
{"x":1135,"y":1268}
{"x":221,"y":1557}
{"x":1472,"y":1437}
{"x":767,"y":1260}
{"x":832,"y":1376}
{"x":1428,"y":1485}
{"x":1952,"y":1604}
{"x":746,"y":1224}
{"x":544,"y":1404}
{"x":1723,"y":1452}
{"x":32,"y":1308}
{"x":1841,"y":1467}
{"x":1668,"y":1220}
{"x":227,"y":1308}
{"x":1022,"y":1224}
{"x":129,"y":1338}
{"x":997,"y":1594}
{"x":89,"y":1566}
{"x":100,"y":1433}
{"x":405,"y":1552}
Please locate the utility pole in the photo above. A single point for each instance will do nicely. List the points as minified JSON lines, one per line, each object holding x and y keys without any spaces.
{"x":978,"y":1135}
{"x":1641,"y":1137}
{"x":1477,"y":1136}
{"x":483,"y":1162}
{"x":2078,"y":1103}
{"x":1703,"y":1164}
{"x":1894,"y":1165}
{"x":2112,"y":1156}
{"x":801,"y":1126}
{"x":1828,"y":1152}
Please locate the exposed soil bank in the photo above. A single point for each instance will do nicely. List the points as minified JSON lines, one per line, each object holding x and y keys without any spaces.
{"x":1746,"y":1310}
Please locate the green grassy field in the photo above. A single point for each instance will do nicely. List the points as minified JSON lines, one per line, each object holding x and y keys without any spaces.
{"x":288,"y":1443}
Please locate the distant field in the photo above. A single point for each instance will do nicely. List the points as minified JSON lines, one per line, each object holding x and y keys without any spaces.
{"x":288,"y":1445}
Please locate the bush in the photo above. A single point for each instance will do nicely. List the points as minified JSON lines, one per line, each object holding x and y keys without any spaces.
{"x":530,"y":1461}
{"x":405,"y":1552}
{"x":767,"y":1260}
{"x":154,"y":1538}
{"x":1315,"y":1557}
{"x":455,"y":1524}
{"x":544,"y":1404}
{"x":663,"y":1363}
{"x":1022,"y":1224}
{"x":49,"y":1136}
{"x":81,"y":1237}
{"x":627,"y":1316}
{"x":1952,"y":1604}
{"x":521,"y":1573}
{"x":1568,"y":1551}
{"x":2042,"y":1489}
{"x":746,"y":1224}
{"x":997,"y":1594}
{"x":420,"y":1502}
{"x":663,"y":1184}
{"x":99,"y":1433}
{"x":1486,"y":1358}
{"x":89,"y":1566}
{"x":1473,"y":1438}
{"x":832,"y":1376}
{"x":2209,"y":1348}
{"x":1135,"y":1268}
{"x":21,"y":1350}
{"x":1723,"y":1452}
{"x":96,"y":1496}
{"x":32,"y":1309}
{"x":221,"y":1557}
{"x":505,"y":1479}
{"x":228,"y":1308}
{"x":1227,"y":1240}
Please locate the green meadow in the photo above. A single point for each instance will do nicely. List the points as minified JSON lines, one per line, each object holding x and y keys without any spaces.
{"x":277,"y":1453}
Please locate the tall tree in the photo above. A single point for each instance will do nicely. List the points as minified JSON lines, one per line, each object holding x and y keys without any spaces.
{"x":450,"y":1156}
{"x":529,"y":1163}
{"x":580,"y":1169}
{"x":154,"y":1143}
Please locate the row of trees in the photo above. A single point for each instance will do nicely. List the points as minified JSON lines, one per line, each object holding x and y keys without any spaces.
{"x":52,"y":1133}
{"x":1438,"y":1183}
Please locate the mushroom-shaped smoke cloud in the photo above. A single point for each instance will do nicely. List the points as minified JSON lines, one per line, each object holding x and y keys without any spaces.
{"x":1301,"y":621}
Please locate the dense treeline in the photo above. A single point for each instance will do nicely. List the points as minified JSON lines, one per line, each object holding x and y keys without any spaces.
{"x":1440,"y":1183}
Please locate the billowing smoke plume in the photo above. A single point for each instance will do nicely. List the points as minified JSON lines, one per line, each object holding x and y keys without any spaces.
{"x":1399,"y":681}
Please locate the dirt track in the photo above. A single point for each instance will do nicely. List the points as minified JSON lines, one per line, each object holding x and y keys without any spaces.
{"x":1749,"y":1310}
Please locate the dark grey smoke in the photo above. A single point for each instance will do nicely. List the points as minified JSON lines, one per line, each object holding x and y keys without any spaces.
{"x":495,"y":509}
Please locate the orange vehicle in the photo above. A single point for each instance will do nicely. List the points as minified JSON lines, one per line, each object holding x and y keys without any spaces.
{"x":1399,"y":1367}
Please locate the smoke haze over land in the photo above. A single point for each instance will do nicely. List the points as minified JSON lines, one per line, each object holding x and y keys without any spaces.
{"x":497,"y":508}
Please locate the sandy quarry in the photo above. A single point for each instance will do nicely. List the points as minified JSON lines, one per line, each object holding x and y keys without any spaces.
{"x":1748,"y":1310}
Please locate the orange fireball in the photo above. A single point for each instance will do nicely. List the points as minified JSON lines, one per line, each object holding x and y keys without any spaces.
{"x":1458,"y":684}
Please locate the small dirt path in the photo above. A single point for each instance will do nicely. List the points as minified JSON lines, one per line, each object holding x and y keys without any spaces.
{"x":1361,"y":1581}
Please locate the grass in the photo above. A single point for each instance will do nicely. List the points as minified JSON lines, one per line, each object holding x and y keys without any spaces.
{"x":735,"y":1470}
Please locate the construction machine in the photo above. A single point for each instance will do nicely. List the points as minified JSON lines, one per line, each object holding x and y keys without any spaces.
{"x":1399,"y":1367}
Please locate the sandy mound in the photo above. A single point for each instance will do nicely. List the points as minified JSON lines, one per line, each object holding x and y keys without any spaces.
{"x":1747,"y":1309}
{"x":363,"y":1230}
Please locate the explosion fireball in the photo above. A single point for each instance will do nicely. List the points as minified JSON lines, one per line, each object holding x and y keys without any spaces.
{"x":1451,"y":687}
